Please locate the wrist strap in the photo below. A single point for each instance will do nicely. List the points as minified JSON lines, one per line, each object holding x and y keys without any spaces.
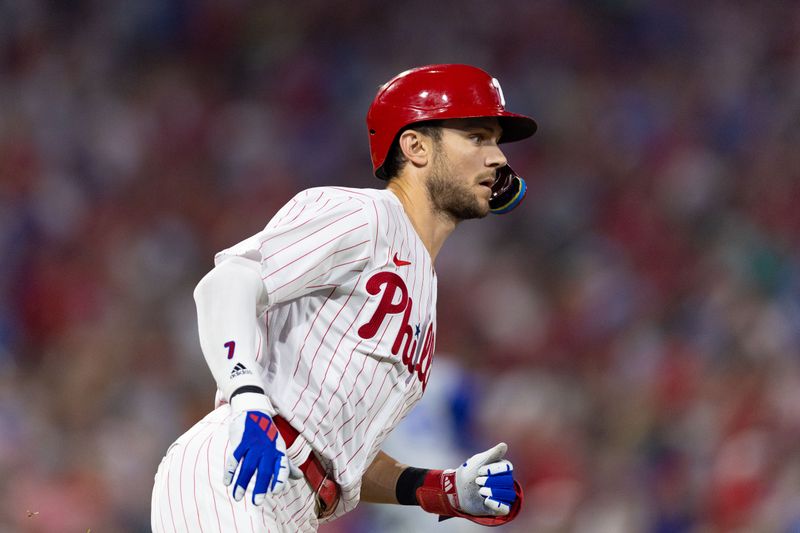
{"x":407,"y":484}
{"x":246,"y":388}
{"x":437,"y":494}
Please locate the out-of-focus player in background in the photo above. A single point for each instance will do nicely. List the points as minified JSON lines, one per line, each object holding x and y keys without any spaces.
{"x":320,"y":329}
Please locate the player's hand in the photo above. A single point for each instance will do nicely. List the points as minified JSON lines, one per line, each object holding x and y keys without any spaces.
{"x":485,"y":483}
{"x":256,"y":447}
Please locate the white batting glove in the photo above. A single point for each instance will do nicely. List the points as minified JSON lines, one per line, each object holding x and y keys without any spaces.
{"x":256,"y":447}
{"x":485,"y":483}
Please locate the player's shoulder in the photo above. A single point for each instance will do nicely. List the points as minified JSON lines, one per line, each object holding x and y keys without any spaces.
{"x":351,"y":195}
{"x":372,"y":203}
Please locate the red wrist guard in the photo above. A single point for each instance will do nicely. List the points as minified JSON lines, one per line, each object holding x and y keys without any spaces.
{"x":438,"y":495}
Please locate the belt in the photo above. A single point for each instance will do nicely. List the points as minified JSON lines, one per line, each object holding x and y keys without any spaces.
{"x":326,"y":490}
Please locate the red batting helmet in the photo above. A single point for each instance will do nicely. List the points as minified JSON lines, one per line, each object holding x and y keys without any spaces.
{"x":436,"y":92}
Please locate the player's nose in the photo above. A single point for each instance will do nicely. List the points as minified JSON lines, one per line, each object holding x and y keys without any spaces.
{"x":495,"y":158}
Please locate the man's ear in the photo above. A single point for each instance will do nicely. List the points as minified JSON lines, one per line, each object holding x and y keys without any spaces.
{"x":416,"y":147}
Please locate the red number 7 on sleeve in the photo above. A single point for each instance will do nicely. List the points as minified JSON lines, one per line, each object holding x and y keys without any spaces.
{"x":231,"y":346}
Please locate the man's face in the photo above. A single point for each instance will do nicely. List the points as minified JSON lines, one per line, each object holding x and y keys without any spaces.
{"x":464,"y":164}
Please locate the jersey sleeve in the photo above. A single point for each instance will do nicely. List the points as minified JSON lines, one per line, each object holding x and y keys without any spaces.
{"x":317,"y":240}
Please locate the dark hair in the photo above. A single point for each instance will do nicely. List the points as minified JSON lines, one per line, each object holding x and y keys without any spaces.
{"x":395,"y":159}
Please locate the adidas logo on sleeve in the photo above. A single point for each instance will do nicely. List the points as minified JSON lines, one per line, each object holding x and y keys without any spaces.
{"x":239,"y":370}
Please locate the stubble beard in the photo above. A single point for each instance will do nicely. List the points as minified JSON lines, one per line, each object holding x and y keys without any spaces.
{"x":450,"y":196}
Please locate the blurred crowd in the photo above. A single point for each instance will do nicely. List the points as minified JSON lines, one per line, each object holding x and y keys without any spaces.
{"x":631,"y":332}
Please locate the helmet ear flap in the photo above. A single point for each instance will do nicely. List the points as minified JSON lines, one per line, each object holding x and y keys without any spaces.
{"x":508,"y":191}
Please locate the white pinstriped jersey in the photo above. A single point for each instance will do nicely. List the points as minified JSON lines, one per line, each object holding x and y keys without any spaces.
{"x":347,"y":336}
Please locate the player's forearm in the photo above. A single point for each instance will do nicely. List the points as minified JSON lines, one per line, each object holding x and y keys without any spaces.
{"x":379,"y":483}
{"x":227,"y":299}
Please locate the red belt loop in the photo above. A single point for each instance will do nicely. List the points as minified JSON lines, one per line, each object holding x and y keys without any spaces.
{"x":326,"y":490}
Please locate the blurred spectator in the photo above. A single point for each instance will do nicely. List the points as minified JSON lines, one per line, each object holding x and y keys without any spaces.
{"x":635,"y":326}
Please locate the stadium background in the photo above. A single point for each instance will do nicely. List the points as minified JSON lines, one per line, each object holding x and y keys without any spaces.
{"x":632,"y":332}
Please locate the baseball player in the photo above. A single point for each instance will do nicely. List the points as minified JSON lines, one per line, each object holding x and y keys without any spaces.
{"x":320,"y":329}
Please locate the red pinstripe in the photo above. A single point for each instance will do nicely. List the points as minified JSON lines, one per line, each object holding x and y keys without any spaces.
{"x":289,"y":505}
{"x":169,"y":495}
{"x":372,"y":380}
{"x":293,"y":218}
{"x":351,"y":213}
{"x":288,"y":210}
{"x":335,"y":351}
{"x":417,"y":267}
{"x":208,"y":472}
{"x":320,"y":210}
{"x":180,"y":477}
{"x":377,"y":228}
{"x":321,"y":194}
{"x":408,"y":242}
{"x":355,"y":380}
{"x":316,"y":266}
{"x":334,"y":253}
{"x":351,"y":191}
{"x":227,"y":490}
{"x":335,"y":267}
{"x":274,"y":226}
{"x":321,"y":342}
{"x":252,"y":527}
{"x":270,"y":503}
{"x":303,"y":507}
{"x":393,"y":247}
{"x":194,"y":481}
{"x":309,"y":252}
{"x":301,"y":210}
{"x":310,"y":329}
{"x":386,"y":375}
{"x":355,"y":453}
{"x":338,"y":385}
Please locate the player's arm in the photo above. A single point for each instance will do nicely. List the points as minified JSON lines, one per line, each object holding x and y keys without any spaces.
{"x":379,"y":483}
{"x":482,"y":489}
{"x":227,"y":301}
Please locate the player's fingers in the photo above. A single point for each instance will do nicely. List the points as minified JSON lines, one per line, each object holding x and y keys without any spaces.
{"x":264,"y":475}
{"x":230,"y":469}
{"x":281,"y":479}
{"x":492,"y":455}
{"x":502,"y":495}
{"x":246,"y":471}
{"x":496,"y":507}
{"x":499,"y":467}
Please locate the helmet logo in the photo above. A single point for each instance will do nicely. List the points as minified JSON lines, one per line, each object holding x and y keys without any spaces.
{"x":496,"y":85}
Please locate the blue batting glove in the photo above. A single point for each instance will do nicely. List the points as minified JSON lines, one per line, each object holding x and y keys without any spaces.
{"x":257,"y":449}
